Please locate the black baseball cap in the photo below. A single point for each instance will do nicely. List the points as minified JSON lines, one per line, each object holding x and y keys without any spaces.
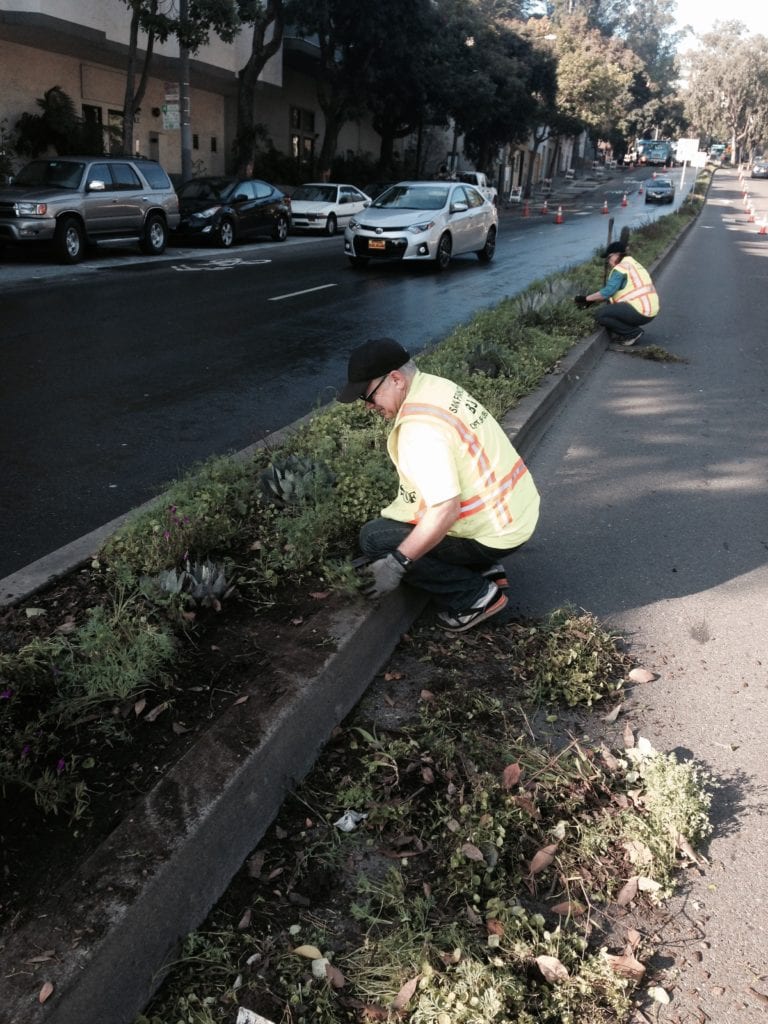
{"x":619,"y":247}
{"x":372,"y":359}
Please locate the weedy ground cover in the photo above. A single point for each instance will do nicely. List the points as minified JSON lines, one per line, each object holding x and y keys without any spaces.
{"x":493,"y":857}
{"x":85,"y":667}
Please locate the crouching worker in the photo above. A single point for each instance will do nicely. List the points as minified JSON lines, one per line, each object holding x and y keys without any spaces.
{"x":465,"y":497}
{"x":630,"y":293}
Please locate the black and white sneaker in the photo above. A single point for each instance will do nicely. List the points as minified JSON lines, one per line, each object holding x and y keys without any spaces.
{"x":497,"y":574}
{"x":491,"y":603}
{"x":633,"y":338}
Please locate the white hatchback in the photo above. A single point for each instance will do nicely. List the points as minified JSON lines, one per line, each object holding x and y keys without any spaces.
{"x":424,"y":221}
{"x":325,"y":206}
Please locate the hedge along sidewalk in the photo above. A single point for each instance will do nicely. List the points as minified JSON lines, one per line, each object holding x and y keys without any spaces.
{"x":159,"y":873}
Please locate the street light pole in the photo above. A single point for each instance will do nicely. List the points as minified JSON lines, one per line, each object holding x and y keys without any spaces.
{"x":184,"y":108}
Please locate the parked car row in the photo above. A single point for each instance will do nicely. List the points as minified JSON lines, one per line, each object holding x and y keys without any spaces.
{"x":72,"y":202}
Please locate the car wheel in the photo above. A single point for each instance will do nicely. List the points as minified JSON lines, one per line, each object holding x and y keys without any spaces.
{"x":647,"y":200}
{"x":444,"y":249}
{"x":330,"y":224}
{"x":69,"y":240}
{"x":358,"y":262}
{"x":155,"y":235}
{"x":485,"y":255}
{"x":224,"y":234}
{"x":280,"y":230}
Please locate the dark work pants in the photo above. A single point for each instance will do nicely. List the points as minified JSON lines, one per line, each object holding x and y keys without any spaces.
{"x":450,"y":572}
{"x":621,"y":318}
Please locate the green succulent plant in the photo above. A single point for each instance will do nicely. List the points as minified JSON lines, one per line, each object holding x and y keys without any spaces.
{"x":294,"y":480}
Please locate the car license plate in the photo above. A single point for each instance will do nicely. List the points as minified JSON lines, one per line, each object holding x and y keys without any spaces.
{"x":377,"y":243}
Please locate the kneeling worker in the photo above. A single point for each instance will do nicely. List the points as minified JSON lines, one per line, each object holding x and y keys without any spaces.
{"x":629,"y":291}
{"x":465,"y":497}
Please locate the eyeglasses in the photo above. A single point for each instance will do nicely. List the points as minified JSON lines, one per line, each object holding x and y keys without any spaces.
{"x":369,"y":397}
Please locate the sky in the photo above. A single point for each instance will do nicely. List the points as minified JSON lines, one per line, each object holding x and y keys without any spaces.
{"x":702,"y":14}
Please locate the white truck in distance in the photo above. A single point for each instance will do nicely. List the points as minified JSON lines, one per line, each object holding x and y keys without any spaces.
{"x":480,"y":181}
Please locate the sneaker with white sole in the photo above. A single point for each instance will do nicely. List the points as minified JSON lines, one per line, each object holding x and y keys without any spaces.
{"x":633,"y":338}
{"x":497,"y":574}
{"x":491,"y":603}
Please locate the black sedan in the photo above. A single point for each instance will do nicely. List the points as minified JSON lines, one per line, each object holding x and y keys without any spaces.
{"x":223,"y":210}
{"x":660,"y":190}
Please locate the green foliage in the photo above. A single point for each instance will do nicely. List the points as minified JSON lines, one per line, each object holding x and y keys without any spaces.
{"x":57,"y":126}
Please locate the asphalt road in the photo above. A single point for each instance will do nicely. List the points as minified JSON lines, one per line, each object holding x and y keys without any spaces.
{"x":654,"y":484}
{"x":119,"y":374}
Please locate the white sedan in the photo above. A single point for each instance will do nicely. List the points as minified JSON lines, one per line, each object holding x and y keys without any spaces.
{"x":423,"y":221}
{"x":325,"y":206}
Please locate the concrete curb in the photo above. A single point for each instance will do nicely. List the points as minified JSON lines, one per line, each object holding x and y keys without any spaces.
{"x":159,"y":873}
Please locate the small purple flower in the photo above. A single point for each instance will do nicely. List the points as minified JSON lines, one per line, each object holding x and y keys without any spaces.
{"x":186,"y":520}
{"x":25,"y":751}
{"x":6,"y":694}
{"x":167,"y":536}
{"x":61,"y":764}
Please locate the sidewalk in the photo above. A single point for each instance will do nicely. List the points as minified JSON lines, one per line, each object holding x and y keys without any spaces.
{"x":106,"y":955}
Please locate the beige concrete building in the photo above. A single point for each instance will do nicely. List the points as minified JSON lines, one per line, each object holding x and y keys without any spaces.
{"x":82,"y":46}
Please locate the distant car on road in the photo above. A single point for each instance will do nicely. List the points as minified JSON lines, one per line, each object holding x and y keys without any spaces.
{"x":325,"y":206}
{"x":660,"y":190}
{"x":222,"y":210}
{"x":759,"y":169}
{"x":72,"y":201}
{"x":424,"y":221}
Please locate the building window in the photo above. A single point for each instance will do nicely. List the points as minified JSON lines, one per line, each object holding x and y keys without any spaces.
{"x":213,"y":144}
{"x":195,"y":141}
{"x":303,"y":138}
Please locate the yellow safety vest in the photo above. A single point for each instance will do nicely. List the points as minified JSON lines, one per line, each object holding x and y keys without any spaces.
{"x":499,"y":500}
{"x":638,"y":289}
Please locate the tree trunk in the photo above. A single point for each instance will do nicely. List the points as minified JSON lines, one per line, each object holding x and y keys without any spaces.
{"x":133,"y":97}
{"x":261,"y":52}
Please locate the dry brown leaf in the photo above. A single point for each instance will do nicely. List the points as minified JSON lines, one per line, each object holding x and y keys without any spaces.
{"x":472,"y":915}
{"x":629,"y":737}
{"x":610,"y":762}
{"x":156,"y":712}
{"x":427,"y":775}
{"x":319,"y":595}
{"x":569,"y":907}
{"x":759,"y":996}
{"x":494,"y":927}
{"x":255,"y":864}
{"x":274,"y":873}
{"x":245,"y":920}
{"x":511,"y":775}
{"x":427,"y":695}
{"x":627,"y":966}
{"x":633,"y":938}
{"x":139,"y":706}
{"x":659,"y":994}
{"x":645,"y":884}
{"x":42,"y":958}
{"x":613,"y":715}
{"x":45,"y":992}
{"x":627,"y":892}
{"x":68,"y":626}
{"x":642,"y":675}
{"x":637,"y":852}
{"x":542,"y":859}
{"x":240,"y":700}
{"x":390,"y":676}
{"x":471,"y":852}
{"x":310,"y":952}
{"x":526,"y":804}
{"x":179,"y":729}
{"x":389,"y":700}
{"x":688,"y":851}
{"x":405,"y":994}
{"x":554,"y":970}
{"x":374,"y":1013}
{"x":334,"y":975}
{"x":297,"y":621}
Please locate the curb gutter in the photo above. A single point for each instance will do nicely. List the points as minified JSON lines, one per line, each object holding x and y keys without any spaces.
{"x":158,"y":874}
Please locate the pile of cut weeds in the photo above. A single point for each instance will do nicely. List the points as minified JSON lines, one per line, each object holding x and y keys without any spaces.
{"x":493,"y":856}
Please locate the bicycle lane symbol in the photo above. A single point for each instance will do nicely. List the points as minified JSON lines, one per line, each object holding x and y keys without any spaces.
{"x":217,"y":264}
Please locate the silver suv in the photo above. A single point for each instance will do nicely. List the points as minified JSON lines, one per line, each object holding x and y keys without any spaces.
{"x":78,"y":200}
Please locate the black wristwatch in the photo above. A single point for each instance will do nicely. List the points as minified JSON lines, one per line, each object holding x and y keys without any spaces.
{"x":404,"y":560}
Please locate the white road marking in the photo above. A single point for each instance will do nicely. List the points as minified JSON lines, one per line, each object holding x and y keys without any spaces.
{"x":219,"y":264}
{"x":305,"y":291}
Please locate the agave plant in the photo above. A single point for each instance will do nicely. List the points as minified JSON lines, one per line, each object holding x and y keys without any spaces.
{"x":203,"y":584}
{"x":294,"y":479}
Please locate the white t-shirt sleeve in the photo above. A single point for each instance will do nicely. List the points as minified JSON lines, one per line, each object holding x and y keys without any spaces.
{"x":426,"y":459}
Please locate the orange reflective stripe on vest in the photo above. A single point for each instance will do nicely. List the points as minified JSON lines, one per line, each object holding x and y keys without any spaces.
{"x":638,"y":290}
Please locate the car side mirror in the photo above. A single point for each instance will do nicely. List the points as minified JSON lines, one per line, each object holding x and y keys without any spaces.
{"x":367,"y":202}
{"x":240,"y":197}
{"x":459,"y":207}
{"x":96,"y":186}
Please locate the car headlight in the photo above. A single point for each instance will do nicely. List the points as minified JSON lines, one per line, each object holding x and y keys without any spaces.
{"x":418,"y":229}
{"x":207,"y":214}
{"x":31,"y":209}
{"x":353,"y":223}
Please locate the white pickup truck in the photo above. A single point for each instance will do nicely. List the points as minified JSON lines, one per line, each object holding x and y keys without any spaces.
{"x":480,"y":181}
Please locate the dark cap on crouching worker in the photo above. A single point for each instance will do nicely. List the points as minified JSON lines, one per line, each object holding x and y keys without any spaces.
{"x":372,"y":359}
{"x":619,"y":248}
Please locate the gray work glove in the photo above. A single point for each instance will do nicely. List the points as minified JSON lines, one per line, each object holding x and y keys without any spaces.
{"x":382,"y":576}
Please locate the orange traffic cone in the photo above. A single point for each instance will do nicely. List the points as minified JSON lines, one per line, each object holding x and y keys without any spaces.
{"x":624,"y":199}
{"x":605,"y":206}
{"x":545,"y":207}
{"x":640,"y":190}
{"x":762,"y":230}
{"x":526,"y":209}
{"x":559,"y":215}
{"x":654,"y":175}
